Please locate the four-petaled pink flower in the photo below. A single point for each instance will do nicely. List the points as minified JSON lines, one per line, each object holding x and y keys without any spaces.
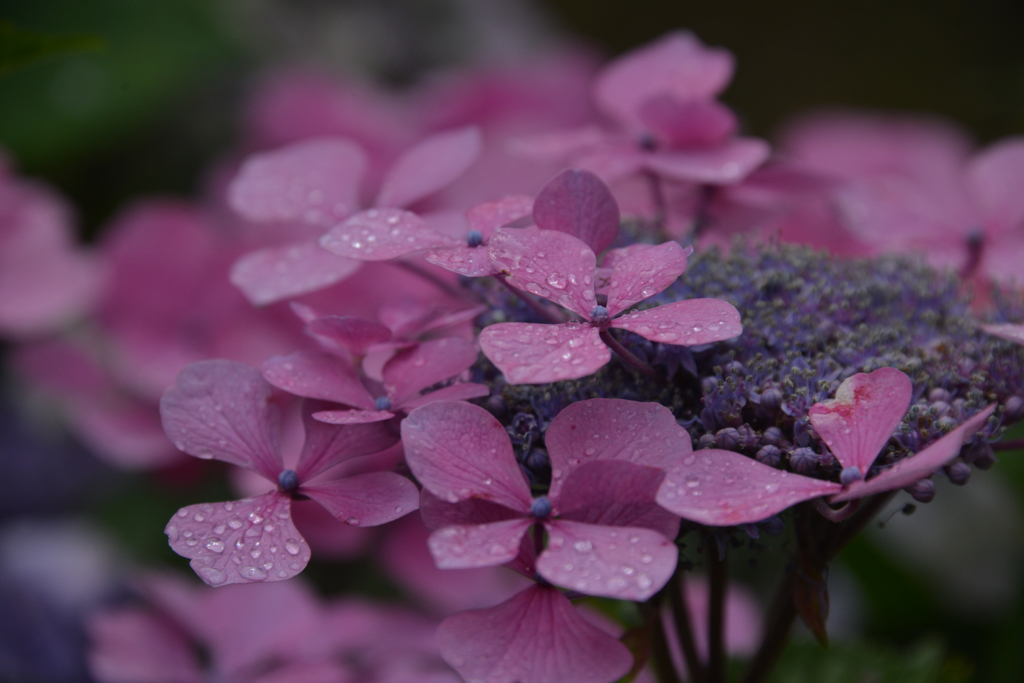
{"x":723,"y":488}
{"x":222,"y":410}
{"x":561,"y":268}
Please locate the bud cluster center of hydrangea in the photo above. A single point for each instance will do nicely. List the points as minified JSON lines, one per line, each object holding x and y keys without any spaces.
{"x":541,"y":507}
{"x":288,"y":481}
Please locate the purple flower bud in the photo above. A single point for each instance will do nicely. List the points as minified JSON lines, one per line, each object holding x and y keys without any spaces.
{"x":382,"y":403}
{"x":801,"y":432}
{"x":803,"y":460}
{"x":752,"y":531}
{"x":939,"y":395}
{"x":524,"y":423}
{"x":538,"y":462}
{"x":728,"y":439}
{"x":947,"y":424}
{"x":939,"y":408}
{"x":474,"y":238}
{"x":707,"y":441}
{"x":958,"y":473}
{"x":748,"y":437}
{"x":541,"y":507}
{"x":923,"y":490}
{"x":708,"y":385}
{"x":1014,"y":408}
{"x":980,"y":454}
{"x":850,"y":475}
{"x":773,"y":526}
{"x":771,"y":400}
{"x":769,"y":455}
{"x":288,"y":481}
{"x":772,"y":436}
{"x":599,"y":316}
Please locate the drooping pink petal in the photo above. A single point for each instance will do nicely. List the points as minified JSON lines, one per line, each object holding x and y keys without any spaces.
{"x":429,"y":166}
{"x":131,"y":646}
{"x":1008,"y":331}
{"x":535,"y":636}
{"x":728,"y":163}
{"x":677,"y":64}
{"x":456,"y":392}
{"x":531,"y":353}
{"x":579,"y":204}
{"x":993,"y":178}
{"x":920,"y":465}
{"x":626,"y":563}
{"x":242,"y":541}
{"x":858,"y":422}
{"x":328,"y":445}
{"x":489,"y":216}
{"x":315,"y":182}
{"x":426,"y":364}
{"x":276,"y":273}
{"x":221,"y":410}
{"x":688,"y":123}
{"x":723,"y":488}
{"x":316,"y":374}
{"x":352,"y":417}
{"x":615,"y":493}
{"x":642,"y":273}
{"x":478,"y":545}
{"x":548,"y":263}
{"x":437,"y":513}
{"x":459,"y":451}
{"x":381,"y":235}
{"x":355,"y":335}
{"x":366,"y":499}
{"x":686,"y":323}
{"x":464,"y":260}
{"x":613,"y":429}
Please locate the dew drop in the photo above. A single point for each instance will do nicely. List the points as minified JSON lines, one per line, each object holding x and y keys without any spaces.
{"x":253,"y":573}
{"x":215,"y":545}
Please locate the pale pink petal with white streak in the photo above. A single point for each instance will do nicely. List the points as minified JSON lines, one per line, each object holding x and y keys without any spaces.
{"x":642,"y":273}
{"x":276,"y":273}
{"x":244,"y":541}
{"x":535,"y":636}
{"x":920,"y":465}
{"x":316,"y":374}
{"x":429,"y":166}
{"x":381,"y":235}
{"x":366,"y":499}
{"x":464,"y":260}
{"x":315,"y":182}
{"x":686,"y":323}
{"x":858,"y":422}
{"x":352,"y":417}
{"x":532,"y":353}
{"x":221,"y":410}
{"x":577,"y":203}
{"x":477,"y":545}
{"x":724,"y":164}
{"x":1007,"y":331}
{"x":723,"y":488}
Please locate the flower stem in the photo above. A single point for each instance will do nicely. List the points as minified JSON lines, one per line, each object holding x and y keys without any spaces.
{"x":684,"y":627}
{"x":628,"y":358}
{"x":716,"y":616}
{"x":545,"y":312}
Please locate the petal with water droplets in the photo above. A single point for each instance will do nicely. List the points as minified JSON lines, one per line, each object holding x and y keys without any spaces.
{"x":477,"y":545}
{"x":530,"y":353}
{"x":316,"y":374}
{"x":489,"y":216}
{"x":429,"y":166}
{"x":329,"y":444}
{"x":412,"y":370}
{"x":685,"y":323}
{"x":578,"y":203}
{"x":468,"y":261}
{"x":642,"y":273}
{"x":381,"y":235}
{"x":354,"y":335}
{"x":366,"y":499}
{"x":269,"y":275}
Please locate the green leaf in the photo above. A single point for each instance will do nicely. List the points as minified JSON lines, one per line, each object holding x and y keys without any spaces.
{"x":925,"y":662}
{"x":19,"y":46}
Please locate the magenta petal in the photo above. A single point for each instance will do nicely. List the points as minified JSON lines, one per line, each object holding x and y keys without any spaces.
{"x":478,"y":545}
{"x":459,"y":451}
{"x":456,"y":392}
{"x":468,"y":261}
{"x":353,"y":334}
{"x":328,"y":445}
{"x":221,"y":410}
{"x":686,"y":323}
{"x":131,"y":646}
{"x":532,"y":353}
{"x":269,"y":275}
{"x":489,"y":216}
{"x":920,"y":465}
{"x":688,"y":123}
{"x":426,"y":364}
{"x":437,"y":513}
{"x":994,"y":179}
{"x":535,"y":636}
{"x":352,"y":417}
{"x":366,"y":499}
{"x":381,"y":235}
{"x":243,"y":541}
{"x":728,"y":163}
{"x":642,"y":273}
{"x":723,"y":488}
{"x":858,"y":422}
{"x":430,"y":166}
{"x":626,"y":563}
{"x":320,"y":375}
{"x":548,"y":263}
{"x":613,"y":429}
{"x":578,"y":203}
{"x":315,"y":182}
{"x":1007,"y":331}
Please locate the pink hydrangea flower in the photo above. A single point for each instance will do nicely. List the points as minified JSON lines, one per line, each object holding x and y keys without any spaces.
{"x":1009,"y":331}
{"x":562,"y":269}
{"x":723,"y":488}
{"x":223,"y":410}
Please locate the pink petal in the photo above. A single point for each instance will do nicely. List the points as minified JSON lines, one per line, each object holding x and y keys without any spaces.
{"x":456,"y":392}
{"x":579,"y":204}
{"x":1008,"y":331}
{"x":221,"y":410}
{"x":920,"y":465}
{"x":685,"y":323}
{"x":489,"y":216}
{"x":131,"y":646}
{"x":535,"y":636}
{"x":552,"y":148}
{"x":269,"y":275}
{"x":531,"y":353}
{"x":613,"y":429}
{"x":688,"y":123}
{"x":468,"y":261}
{"x":348,"y":332}
{"x":426,"y":364}
{"x":320,"y":375}
{"x":478,"y":545}
{"x":723,"y":488}
{"x":243,"y":541}
{"x":328,"y":445}
{"x":994,"y":178}
{"x":677,"y":64}
{"x":316,"y":182}
{"x":858,"y":422}
{"x":381,"y":235}
{"x":615,"y":493}
{"x":614,"y":160}
{"x":42,"y":292}
{"x":548,"y":263}
{"x":409,"y":318}
{"x":728,"y":163}
{"x":626,"y":563}
{"x":642,"y":273}
{"x":352,"y":417}
{"x":429,"y":166}
{"x":437,"y":513}
{"x":366,"y":499}
{"x":459,"y":451}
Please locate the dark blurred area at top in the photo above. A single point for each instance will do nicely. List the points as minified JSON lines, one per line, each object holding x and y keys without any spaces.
{"x":149,"y":112}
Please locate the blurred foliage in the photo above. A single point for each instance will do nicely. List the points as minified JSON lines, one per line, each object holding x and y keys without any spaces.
{"x":925,"y":662}
{"x":19,"y":46}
